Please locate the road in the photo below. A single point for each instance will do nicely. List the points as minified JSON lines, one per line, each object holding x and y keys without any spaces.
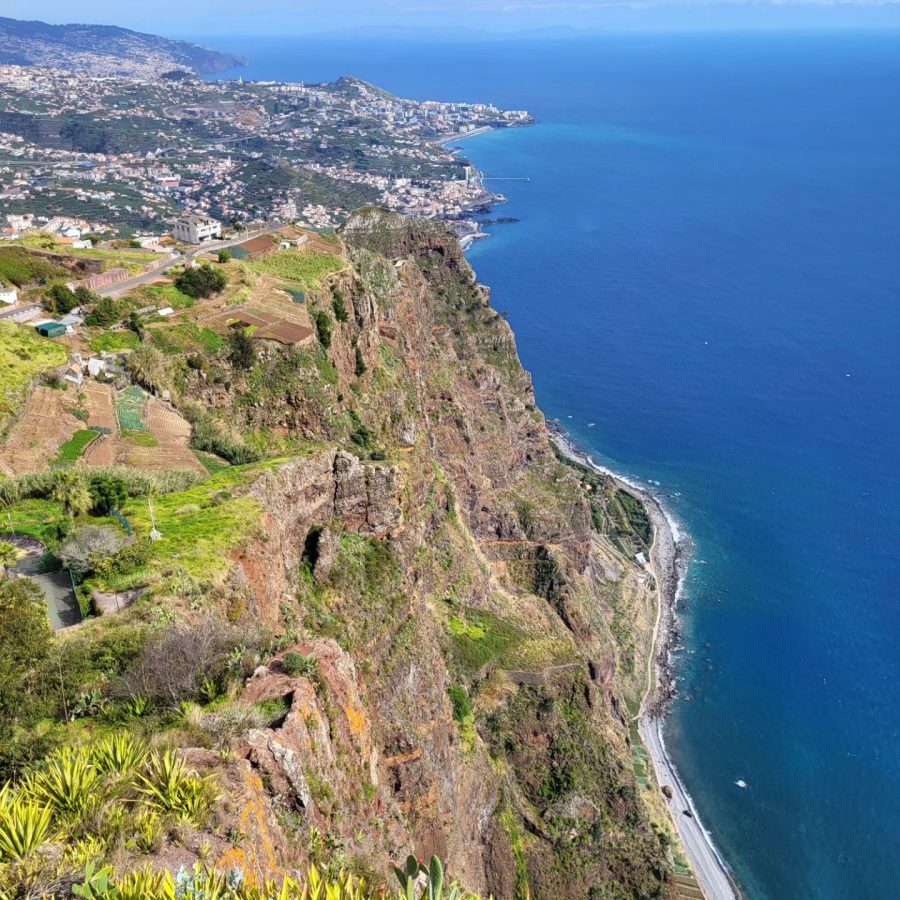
{"x":708,"y":868}
{"x":151,"y":274}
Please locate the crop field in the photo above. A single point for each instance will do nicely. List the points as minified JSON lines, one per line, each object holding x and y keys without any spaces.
{"x":305,"y":267}
{"x":44,"y":426}
{"x":23,"y":354}
{"x":73,"y":449}
{"x":129,"y":409}
{"x":99,"y":402}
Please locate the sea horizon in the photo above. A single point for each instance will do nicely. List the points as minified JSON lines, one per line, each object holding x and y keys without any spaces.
{"x":702,"y":283}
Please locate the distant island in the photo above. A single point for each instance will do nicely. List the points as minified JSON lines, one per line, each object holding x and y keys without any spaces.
{"x":105,"y":50}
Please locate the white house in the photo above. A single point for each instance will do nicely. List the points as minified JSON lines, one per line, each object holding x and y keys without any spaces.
{"x":8,"y":294}
{"x":95,"y":366}
{"x":194,"y":229}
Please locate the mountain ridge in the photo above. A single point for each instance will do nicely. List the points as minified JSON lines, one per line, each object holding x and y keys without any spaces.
{"x":104,"y":50}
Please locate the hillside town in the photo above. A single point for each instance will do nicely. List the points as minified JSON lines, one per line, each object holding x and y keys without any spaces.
{"x":131,"y":155}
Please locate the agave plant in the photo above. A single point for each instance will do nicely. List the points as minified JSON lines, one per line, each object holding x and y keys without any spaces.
{"x":25,"y":825}
{"x":83,"y":852}
{"x":68,"y":784}
{"x":145,"y":884}
{"x":120,"y":754}
{"x":169,"y":787}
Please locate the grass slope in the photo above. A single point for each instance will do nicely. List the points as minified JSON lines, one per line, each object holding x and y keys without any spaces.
{"x":23,"y":354}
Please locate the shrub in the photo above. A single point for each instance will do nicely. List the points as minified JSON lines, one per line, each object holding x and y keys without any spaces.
{"x":108,"y":493}
{"x":224,"y":255}
{"x":459,"y":700}
{"x":176,"y":664}
{"x":360,"y":364}
{"x":118,"y":754}
{"x":339,"y":307}
{"x":87,"y":547}
{"x":202,"y":281}
{"x":105,"y":314}
{"x":323,"y":328}
{"x":25,"y":641}
{"x":297,"y":664}
{"x":60,"y":299}
{"x":240,"y":349}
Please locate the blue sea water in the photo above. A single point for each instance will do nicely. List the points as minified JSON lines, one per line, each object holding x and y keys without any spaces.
{"x":707,"y":267}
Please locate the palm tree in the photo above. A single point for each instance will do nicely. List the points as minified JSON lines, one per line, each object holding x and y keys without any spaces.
{"x":9,"y":553}
{"x":70,"y":489}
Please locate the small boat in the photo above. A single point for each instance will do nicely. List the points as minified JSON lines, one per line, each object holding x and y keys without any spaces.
{"x":741,"y":783}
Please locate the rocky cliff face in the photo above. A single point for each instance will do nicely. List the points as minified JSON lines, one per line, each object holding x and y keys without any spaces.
{"x":478,"y":624}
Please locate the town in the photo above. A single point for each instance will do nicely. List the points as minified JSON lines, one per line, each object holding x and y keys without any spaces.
{"x":129,"y":155}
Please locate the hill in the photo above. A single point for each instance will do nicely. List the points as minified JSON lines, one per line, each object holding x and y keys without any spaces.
{"x":104,"y":50}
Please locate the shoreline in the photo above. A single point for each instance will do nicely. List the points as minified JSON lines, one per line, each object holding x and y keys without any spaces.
{"x":668,"y":560}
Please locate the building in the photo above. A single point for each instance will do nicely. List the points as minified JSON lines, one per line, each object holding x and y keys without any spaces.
{"x":51,"y":329}
{"x":195,"y":229}
{"x":8,"y":294}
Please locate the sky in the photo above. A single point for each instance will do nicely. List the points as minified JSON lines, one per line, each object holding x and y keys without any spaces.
{"x":456,"y":18}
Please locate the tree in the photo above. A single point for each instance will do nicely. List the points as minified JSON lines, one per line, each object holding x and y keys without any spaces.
{"x":86,"y":547}
{"x":25,"y":639}
{"x":202,"y":281}
{"x":70,"y":489}
{"x":105,"y":314}
{"x":60,"y":299}
{"x":108,"y":493}
{"x":240,"y":348}
{"x":9,"y":553}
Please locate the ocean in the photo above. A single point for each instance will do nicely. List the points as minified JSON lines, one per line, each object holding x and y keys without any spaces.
{"x":705,"y":284}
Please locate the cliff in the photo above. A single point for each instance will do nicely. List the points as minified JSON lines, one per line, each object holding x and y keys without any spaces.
{"x":460,"y":630}
{"x":479,"y":622}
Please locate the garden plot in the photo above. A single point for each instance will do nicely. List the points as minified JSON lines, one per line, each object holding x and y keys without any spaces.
{"x":42,"y":428}
{"x":150,"y":435}
{"x":99,"y":401}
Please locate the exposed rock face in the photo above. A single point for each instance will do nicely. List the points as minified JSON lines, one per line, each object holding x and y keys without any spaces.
{"x":474,"y":561}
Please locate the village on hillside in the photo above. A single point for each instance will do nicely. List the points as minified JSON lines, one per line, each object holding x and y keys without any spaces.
{"x":87,"y":324}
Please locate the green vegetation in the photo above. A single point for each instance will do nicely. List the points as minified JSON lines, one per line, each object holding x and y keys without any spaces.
{"x":23,"y":267}
{"x":105,"y":314}
{"x":296,"y":664}
{"x":73,"y":449}
{"x":479,"y":637}
{"x":302,"y":266}
{"x":201,"y":525}
{"x":23,"y":355}
{"x":140,"y":438}
{"x":129,"y":408}
{"x":324,"y":327}
{"x":112,"y":341}
{"x":60,"y":299}
{"x":463,"y":714}
{"x":162,"y":295}
{"x":202,"y":281}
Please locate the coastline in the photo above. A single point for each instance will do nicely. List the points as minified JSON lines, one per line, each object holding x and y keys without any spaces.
{"x":668,"y":558}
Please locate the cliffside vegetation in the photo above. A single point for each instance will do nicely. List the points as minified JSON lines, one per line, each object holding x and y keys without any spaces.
{"x":390,"y":621}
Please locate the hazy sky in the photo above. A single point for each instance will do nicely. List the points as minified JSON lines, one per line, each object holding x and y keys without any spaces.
{"x":206,"y":18}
